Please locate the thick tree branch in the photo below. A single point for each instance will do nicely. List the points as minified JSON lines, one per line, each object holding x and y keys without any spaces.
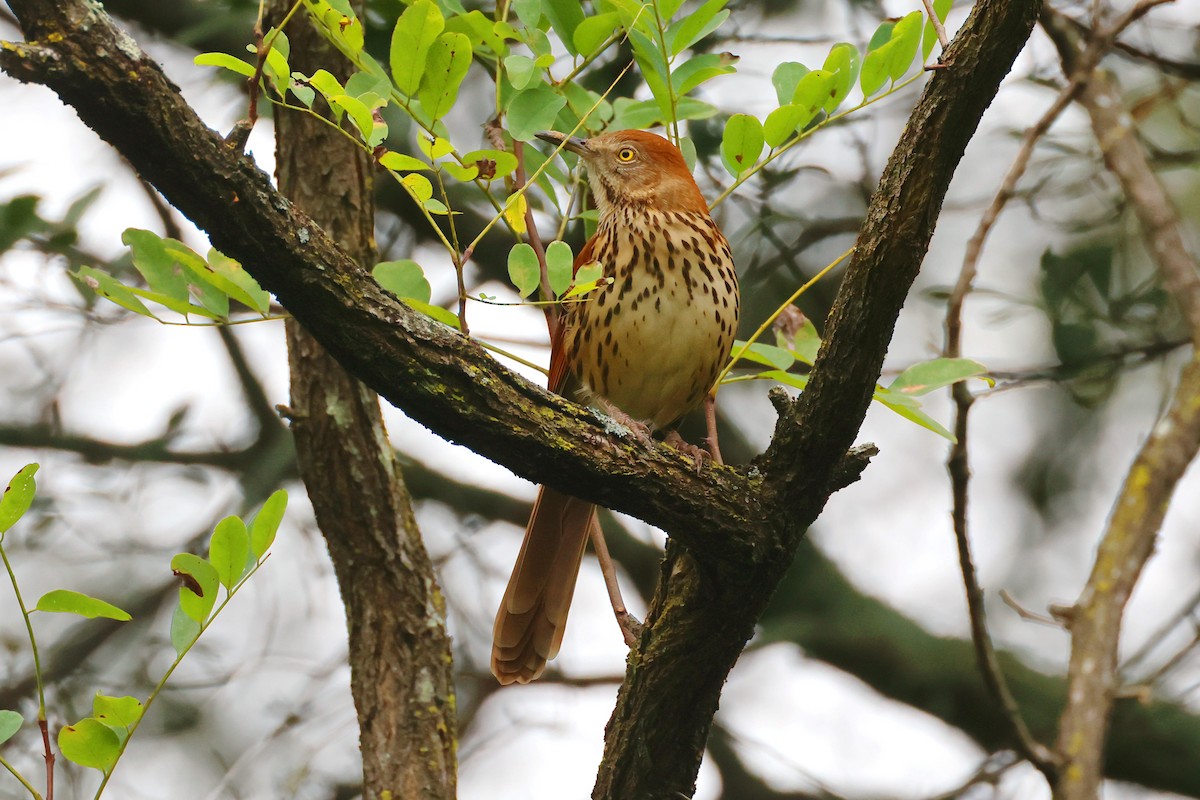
{"x":653,"y":730}
{"x":437,"y":376}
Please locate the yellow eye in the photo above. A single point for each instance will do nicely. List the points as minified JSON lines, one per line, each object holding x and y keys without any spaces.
{"x":626,"y":154}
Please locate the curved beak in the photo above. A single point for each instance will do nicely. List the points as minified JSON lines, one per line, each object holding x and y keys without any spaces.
{"x":572,"y":143}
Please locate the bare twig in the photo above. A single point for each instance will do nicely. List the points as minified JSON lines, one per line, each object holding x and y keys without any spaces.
{"x":1185,"y":611}
{"x":1026,"y":614}
{"x":938,"y":27}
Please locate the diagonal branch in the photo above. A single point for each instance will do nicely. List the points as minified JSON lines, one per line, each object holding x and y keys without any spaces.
{"x":438,"y":377}
{"x":1127,"y":544}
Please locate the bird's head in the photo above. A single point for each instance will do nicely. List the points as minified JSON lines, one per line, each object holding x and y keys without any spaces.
{"x":634,"y":168}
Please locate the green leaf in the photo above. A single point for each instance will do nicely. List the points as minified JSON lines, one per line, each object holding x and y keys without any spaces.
{"x":882,"y":35}
{"x":200,"y":581}
{"x":228,"y":276}
{"x":158,"y":265}
{"x":328,"y":86}
{"x":559,"y":261}
{"x":437,"y":313}
{"x":398,"y":162}
{"x":90,"y":744}
{"x":697,"y":70}
{"x":784,"y":121}
{"x":594,"y":31}
{"x":18,"y":497}
{"x":111,"y":289}
{"x":588,"y":277}
{"x":505,"y":162}
{"x":565,"y":16}
{"x":792,"y":379}
{"x":485,"y":34}
{"x":364,"y":83}
{"x":434,"y":148}
{"x":765,"y":354}
{"x":184,"y":630}
{"x":298,"y":86}
{"x":228,"y":550}
{"x":225,"y":61}
{"x":403,"y":278}
{"x":785,"y":78}
{"x":929,"y":38}
{"x":927,"y":376}
{"x":805,"y":343}
{"x":266,"y":523}
{"x":742,"y":143}
{"x":10,"y":723}
{"x":447,"y":64}
{"x":275,"y":66}
{"x":875,"y":70}
{"x":528,"y":11}
{"x":64,"y":601}
{"x":844,"y":62}
{"x":461,"y":173}
{"x":533,"y":110}
{"x":695,"y":26}
{"x":814,"y":91}
{"x":118,"y":713}
{"x":688,"y":148}
{"x":359,"y":113}
{"x":523,"y":269}
{"x":515,"y":208}
{"x":521,"y":71}
{"x":418,"y":186}
{"x":906,"y":39}
{"x":908,"y":408}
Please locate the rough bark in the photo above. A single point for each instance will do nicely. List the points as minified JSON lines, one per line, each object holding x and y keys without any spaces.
{"x":401,"y":672}
{"x":701,"y":617}
{"x":740,"y":527}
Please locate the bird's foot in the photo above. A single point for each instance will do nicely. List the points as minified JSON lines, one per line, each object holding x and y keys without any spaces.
{"x":639,"y":429}
{"x":699,"y":455}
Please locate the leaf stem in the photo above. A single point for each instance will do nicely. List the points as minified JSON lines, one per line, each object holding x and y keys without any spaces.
{"x":774,"y":316}
{"x":28,"y":786}
{"x":171,"y":669}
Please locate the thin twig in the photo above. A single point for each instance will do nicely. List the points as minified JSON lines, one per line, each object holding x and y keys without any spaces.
{"x":938,"y":27}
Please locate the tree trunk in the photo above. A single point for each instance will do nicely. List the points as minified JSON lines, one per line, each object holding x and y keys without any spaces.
{"x":399,"y":650}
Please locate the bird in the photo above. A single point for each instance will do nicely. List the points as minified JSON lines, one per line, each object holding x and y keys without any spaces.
{"x":645,"y":347}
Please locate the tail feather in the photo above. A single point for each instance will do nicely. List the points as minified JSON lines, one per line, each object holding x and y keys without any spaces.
{"x":533,"y":615}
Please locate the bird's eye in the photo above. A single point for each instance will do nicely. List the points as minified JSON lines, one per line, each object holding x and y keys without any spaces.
{"x":626,"y":154}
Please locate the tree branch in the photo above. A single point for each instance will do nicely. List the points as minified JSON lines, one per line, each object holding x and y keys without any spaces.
{"x":1095,"y":620}
{"x":438,"y":377}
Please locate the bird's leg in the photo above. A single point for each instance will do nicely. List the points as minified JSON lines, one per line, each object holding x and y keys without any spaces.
{"x":631,"y":628}
{"x":710,"y":417}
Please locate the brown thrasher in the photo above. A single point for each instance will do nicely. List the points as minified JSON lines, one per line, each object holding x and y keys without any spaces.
{"x":646,"y":348}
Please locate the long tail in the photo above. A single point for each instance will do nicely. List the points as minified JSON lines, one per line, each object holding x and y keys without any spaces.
{"x":533,"y":615}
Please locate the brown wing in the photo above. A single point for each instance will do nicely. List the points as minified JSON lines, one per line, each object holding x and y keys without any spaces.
{"x":559,"y":370}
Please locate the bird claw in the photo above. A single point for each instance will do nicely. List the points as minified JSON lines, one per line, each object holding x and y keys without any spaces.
{"x":699,"y":455}
{"x":639,"y":429}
